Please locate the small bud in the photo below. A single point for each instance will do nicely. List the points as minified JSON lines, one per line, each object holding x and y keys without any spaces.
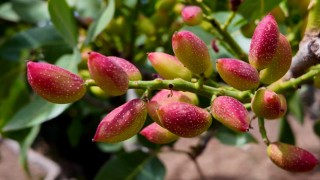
{"x":268,"y":104}
{"x":183,"y":119}
{"x":122,"y":123}
{"x":280,"y":63}
{"x":54,"y":83}
{"x":231,"y":113}
{"x":109,"y":76}
{"x":169,"y":67}
{"x":264,"y":43}
{"x":164,"y":97}
{"x":291,"y":158}
{"x":191,"y":51}
{"x":158,"y":135}
{"x":131,"y":70}
{"x":238,"y":74}
{"x":192,"y":15}
{"x":214,"y":46}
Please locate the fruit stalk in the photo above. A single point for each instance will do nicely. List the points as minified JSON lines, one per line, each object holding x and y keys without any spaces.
{"x":182,"y":85}
{"x":294,"y":83}
{"x":263,"y":131}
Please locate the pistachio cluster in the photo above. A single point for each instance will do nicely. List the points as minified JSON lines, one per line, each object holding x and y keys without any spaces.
{"x":176,"y":112}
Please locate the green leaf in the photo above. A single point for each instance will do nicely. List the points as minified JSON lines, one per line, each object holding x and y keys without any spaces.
{"x":13,"y":101}
{"x":98,"y":26}
{"x":7,"y":13}
{"x":70,"y":61}
{"x":75,"y":131}
{"x":295,"y":106}
{"x":229,"y":137}
{"x":27,"y":40}
{"x":63,"y":19}
{"x":88,"y":9}
{"x":34,"y":113}
{"x":316,"y":128}
{"x":105,"y":147}
{"x":254,"y":9}
{"x":286,"y":134}
{"x":31,"y":11}
{"x":135,"y":165}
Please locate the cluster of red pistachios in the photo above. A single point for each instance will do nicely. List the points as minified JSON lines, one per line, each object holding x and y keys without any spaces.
{"x":176,"y":113}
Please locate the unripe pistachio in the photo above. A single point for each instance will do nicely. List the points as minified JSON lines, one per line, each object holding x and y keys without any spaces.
{"x":238,"y":74}
{"x":268,"y":104}
{"x":146,"y":26}
{"x":108,"y":75}
{"x":54,"y":83}
{"x":291,"y":158}
{"x":191,"y":51}
{"x":192,"y":15}
{"x":264,"y":43}
{"x":169,"y":67}
{"x":122,"y":123}
{"x":280,"y":63}
{"x":183,"y":119}
{"x":131,"y":70}
{"x":98,"y":92}
{"x":209,"y":71}
{"x":231,"y":113}
{"x":165,"y":5}
{"x":157,"y":134}
{"x":192,"y":96}
{"x":164,"y":97}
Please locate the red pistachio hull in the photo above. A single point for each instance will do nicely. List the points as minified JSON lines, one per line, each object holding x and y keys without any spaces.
{"x":55,"y":84}
{"x":108,"y":75}
{"x":192,"y":15}
{"x":164,"y":97}
{"x":268,"y":104}
{"x":122,"y":123}
{"x":131,"y":70}
{"x":183,"y":119}
{"x":264,"y":43}
{"x":169,"y":67}
{"x":157,"y":134}
{"x":191,"y":51}
{"x":291,"y":158}
{"x":231,"y":113}
{"x":238,"y":74}
{"x":280,"y":63}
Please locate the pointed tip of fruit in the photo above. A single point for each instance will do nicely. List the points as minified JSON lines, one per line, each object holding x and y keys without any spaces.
{"x":184,"y":119}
